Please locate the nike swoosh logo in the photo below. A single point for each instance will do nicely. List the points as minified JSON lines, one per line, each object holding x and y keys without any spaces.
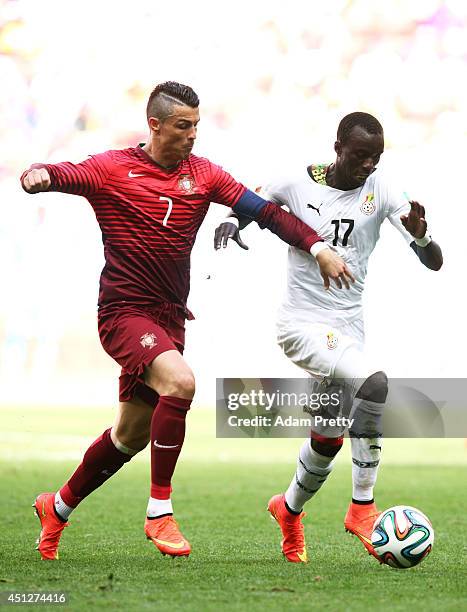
{"x":131,"y":175}
{"x":302,"y":556}
{"x":165,"y":445}
{"x":176,"y":545}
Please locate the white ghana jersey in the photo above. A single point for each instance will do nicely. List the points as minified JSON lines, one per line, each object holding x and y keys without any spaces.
{"x":350,"y":221}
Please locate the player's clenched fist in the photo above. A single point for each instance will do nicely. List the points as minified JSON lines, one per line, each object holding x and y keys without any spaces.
{"x":36,"y":180}
{"x":333,"y":266}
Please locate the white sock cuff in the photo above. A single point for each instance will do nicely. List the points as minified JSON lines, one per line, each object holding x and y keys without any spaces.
{"x":158,"y":507}
{"x":61,"y":507}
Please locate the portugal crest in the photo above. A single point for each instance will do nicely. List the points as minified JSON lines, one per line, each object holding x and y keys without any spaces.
{"x":186,"y":183}
{"x":148,"y":340}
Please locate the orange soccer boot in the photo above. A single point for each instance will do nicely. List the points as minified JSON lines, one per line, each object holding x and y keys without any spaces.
{"x":293,"y":542}
{"x":359,"y":520}
{"x":51,"y":526}
{"x":165,"y":534}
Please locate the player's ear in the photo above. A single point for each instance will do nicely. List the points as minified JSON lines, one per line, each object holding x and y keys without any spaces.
{"x":154,"y":124}
{"x":338,"y":147}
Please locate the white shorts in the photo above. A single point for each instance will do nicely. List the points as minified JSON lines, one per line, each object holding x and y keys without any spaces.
{"x":317,"y":347}
{"x":332,"y":354}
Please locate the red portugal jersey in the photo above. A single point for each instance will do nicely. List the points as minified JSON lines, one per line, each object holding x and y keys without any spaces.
{"x":149,"y":217}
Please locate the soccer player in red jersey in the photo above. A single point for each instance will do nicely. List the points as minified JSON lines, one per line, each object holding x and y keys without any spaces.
{"x":150,"y":201}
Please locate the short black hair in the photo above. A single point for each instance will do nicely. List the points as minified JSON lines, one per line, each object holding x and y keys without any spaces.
{"x":166,"y":95}
{"x":364,"y":120}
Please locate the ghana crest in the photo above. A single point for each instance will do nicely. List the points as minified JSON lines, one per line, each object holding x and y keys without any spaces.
{"x":368,"y":207}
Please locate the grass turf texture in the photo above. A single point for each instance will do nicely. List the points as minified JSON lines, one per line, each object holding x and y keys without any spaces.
{"x":236,"y":563}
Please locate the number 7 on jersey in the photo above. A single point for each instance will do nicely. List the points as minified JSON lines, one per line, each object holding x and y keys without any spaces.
{"x":169,"y":208}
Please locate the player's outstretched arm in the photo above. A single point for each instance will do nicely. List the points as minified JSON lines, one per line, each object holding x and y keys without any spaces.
{"x":290,"y":229}
{"x":427,"y":250}
{"x":35,"y":180}
{"x":84,"y":178}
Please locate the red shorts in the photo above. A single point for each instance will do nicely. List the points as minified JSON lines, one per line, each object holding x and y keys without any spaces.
{"x":134,"y":336}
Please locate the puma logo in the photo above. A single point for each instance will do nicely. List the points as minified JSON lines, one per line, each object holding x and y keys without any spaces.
{"x":315,"y":208}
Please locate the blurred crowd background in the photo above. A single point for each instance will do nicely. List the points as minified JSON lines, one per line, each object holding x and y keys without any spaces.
{"x":274,"y":78}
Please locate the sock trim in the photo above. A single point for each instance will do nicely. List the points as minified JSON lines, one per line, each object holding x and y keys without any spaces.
{"x":329,"y":441}
{"x":363,"y":502}
{"x":121,"y":447}
{"x":160,"y":491}
{"x":289,"y":509}
{"x":69,"y":497}
{"x":59,"y":516}
{"x":307,"y":489}
{"x":365,"y":464}
{"x":152,"y":518}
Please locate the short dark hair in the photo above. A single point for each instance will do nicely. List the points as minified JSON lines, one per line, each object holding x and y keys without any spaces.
{"x":166,"y":95}
{"x":364,"y":120}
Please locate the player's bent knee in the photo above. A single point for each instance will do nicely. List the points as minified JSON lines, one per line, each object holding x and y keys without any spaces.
{"x":375,"y":388}
{"x":180,"y":384}
{"x":172,"y":377}
{"x":185,"y":385}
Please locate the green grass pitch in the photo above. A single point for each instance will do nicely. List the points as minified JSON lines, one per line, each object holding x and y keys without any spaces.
{"x":220,"y":495}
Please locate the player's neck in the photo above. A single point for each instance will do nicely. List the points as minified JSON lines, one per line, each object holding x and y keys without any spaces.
{"x":332,"y":177}
{"x":160,"y":157}
{"x":336,"y":180}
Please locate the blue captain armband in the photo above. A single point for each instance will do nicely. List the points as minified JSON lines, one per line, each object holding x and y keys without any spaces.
{"x":249,"y":205}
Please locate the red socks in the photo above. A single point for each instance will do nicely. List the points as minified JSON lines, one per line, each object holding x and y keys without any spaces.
{"x":167,"y":435}
{"x":102,"y":459}
{"x":100,"y":462}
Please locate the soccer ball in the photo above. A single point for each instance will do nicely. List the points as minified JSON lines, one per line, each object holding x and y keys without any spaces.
{"x":402,"y":537}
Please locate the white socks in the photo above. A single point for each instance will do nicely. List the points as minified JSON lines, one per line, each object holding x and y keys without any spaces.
{"x":312,"y":471}
{"x":62,"y":509}
{"x":158,"y":507}
{"x":367,"y":418}
{"x":366,"y":453}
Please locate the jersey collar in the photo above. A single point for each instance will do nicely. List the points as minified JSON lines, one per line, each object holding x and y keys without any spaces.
{"x":147,"y":158}
{"x":317,"y":173}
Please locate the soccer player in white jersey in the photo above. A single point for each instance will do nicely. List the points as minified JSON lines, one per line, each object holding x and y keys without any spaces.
{"x":322,"y":331}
